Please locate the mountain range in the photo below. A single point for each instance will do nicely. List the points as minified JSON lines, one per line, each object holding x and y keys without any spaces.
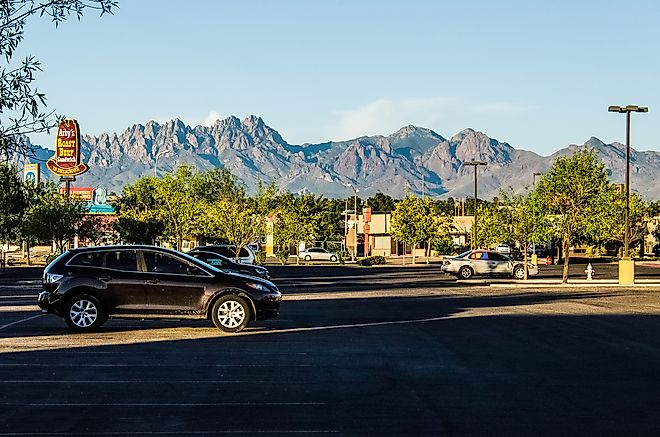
{"x":413,"y":159}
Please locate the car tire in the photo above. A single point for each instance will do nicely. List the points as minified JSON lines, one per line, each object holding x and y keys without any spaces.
{"x":465,"y":272}
{"x":230,"y":313}
{"x":308,"y":258}
{"x":84,"y":313}
{"x":519,"y":272}
{"x":333,"y":258}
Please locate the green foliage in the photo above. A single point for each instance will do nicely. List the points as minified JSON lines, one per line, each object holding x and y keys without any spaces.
{"x":415,"y":220}
{"x":233,"y":221}
{"x":443,"y":245}
{"x":371,"y":260}
{"x":381,"y":203}
{"x":54,"y":217}
{"x":283,"y":256}
{"x":575,"y":195}
{"x":13,"y":202}
{"x":138,"y":218}
{"x":260,"y":257}
{"x":614,"y":222}
{"x":21,"y":105}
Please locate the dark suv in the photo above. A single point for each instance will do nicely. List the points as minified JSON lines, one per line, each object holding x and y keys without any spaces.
{"x":88,"y":285}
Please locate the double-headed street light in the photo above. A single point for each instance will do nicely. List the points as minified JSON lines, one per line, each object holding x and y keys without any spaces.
{"x":627,"y":110}
{"x":476,"y":164}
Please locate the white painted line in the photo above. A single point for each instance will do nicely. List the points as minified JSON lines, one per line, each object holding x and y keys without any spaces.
{"x":15,"y":308}
{"x":135,"y":381}
{"x":19,"y":321}
{"x":150,"y":404}
{"x":147,"y":365}
{"x":168,"y":433}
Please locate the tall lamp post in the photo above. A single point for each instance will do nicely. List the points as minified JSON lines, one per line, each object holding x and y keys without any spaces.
{"x":627,"y":268}
{"x":476,"y":164}
{"x":354,"y":252}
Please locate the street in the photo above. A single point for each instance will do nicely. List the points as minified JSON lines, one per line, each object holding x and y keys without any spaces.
{"x":355,"y":351}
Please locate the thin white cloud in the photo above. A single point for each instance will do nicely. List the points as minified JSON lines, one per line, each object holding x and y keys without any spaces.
{"x":385,"y":116}
{"x":206,"y":120}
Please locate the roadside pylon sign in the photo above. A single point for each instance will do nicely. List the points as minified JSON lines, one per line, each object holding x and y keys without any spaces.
{"x":66,"y":161}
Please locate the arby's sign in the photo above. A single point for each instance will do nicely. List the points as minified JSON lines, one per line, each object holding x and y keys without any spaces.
{"x":66,"y":161}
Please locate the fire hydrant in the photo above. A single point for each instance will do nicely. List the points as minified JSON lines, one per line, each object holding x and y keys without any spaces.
{"x":590,"y":272}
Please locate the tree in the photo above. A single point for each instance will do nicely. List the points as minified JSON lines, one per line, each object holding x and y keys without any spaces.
{"x":13,"y":201}
{"x":381,"y":203}
{"x":21,"y":105}
{"x":233,"y":221}
{"x":177,"y":206}
{"x":137,"y":213}
{"x":54,"y":217}
{"x":574,"y":194}
{"x":615,"y":221}
{"x":415,"y":220}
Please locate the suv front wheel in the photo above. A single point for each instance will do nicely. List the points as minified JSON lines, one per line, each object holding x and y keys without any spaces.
{"x":84,"y":313}
{"x":230,"y":313}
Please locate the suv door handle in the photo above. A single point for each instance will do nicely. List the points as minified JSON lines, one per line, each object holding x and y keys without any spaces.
{"x":152,"y":281}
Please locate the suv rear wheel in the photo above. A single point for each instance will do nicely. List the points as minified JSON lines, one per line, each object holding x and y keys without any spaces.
{"x":231,"y":313}
{"x":84,"y":313}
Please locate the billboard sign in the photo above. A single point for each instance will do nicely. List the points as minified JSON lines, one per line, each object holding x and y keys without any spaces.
{"x":31,"y":174}
{"x":66,"y":161}
{"x":95,"y":198}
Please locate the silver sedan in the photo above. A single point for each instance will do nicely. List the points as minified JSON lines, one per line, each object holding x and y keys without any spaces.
{"x":485,"y":262}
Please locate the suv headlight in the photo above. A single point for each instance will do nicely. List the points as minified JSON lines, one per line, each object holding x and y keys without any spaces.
{"x":256,"y":286}
{"x":52,"y":278}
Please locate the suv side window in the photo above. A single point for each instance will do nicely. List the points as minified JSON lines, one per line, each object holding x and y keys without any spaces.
{"x":87,"y":259}
{"x":163,"y":263}
{"x":124,"y":260}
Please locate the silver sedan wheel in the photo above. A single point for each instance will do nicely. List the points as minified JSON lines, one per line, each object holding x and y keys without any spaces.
{"x":83,"y":313}
{"x":231,"y":314}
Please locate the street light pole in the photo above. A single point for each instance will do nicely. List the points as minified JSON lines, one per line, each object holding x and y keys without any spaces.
{"x":354,"y":251}
{"x":627,"y":110}
{"x":476,"y":164}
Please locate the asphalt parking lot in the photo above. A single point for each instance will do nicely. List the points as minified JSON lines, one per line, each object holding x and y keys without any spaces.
{"x":355,"y":351}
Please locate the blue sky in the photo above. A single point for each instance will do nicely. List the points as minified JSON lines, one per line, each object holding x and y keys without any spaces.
{"x":539,"y":75}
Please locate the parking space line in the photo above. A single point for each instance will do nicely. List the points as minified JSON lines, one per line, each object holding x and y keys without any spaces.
{"x":168,"y":433}
{"x":166,"y":404}
{"x":137,"y":381}
{"x":146,"y":365}
{"x":19,"y":321}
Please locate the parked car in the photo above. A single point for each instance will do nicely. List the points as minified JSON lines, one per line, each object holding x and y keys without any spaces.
{"x":86,"y":286}
{"x":483,"y":262}
{"x":317,"y":254}
{"x":245,"y":255}
{"x":224,"y":263}
{"x":504,"y":249}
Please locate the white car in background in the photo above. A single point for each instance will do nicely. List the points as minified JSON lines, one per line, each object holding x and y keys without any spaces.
{"x":317,"y":254}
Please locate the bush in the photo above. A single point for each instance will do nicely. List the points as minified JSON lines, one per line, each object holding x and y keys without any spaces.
{"x":371,"y":260}
{"x":260,"y":257}
{"x":444,"y":246}
{"x":50,"y":258}
{"x":283,"y":256}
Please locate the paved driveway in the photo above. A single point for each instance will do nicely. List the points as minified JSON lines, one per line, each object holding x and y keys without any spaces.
{"x":354,"y":352}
